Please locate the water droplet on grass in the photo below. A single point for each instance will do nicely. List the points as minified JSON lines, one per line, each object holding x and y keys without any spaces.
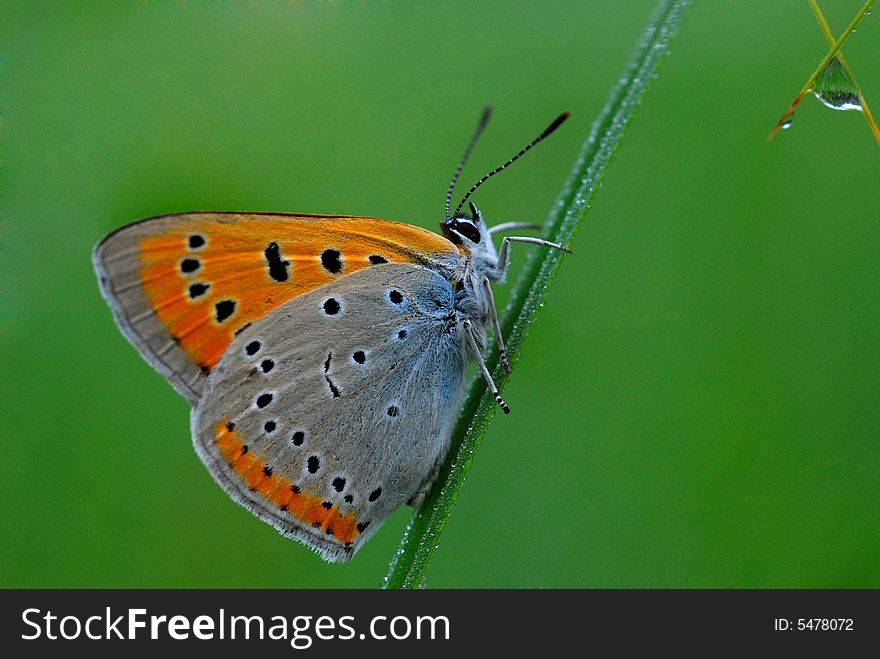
{"x":836,"y":88}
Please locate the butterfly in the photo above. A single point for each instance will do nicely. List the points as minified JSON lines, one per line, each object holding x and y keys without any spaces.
{"x":324,"y":356}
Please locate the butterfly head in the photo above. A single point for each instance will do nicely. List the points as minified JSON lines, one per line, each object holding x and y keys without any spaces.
{"x":464,"y":229}
{"x":470,"y":232}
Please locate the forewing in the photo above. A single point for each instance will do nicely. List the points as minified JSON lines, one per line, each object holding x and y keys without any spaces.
{"x":334,"y":408}
{"x":182,"y":286}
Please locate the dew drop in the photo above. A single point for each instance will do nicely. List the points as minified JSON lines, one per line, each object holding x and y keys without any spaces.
{"x":836,"y":89}
{"x":787,"y":123}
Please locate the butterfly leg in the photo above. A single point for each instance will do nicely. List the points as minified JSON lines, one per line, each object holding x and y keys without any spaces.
{"x":507,"y":226}
{"x":481,"y":363}
{"x":496,"y":327}
{"x":504,"y":252}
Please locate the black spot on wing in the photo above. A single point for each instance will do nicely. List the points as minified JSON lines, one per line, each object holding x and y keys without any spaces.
{"x":198,"y":290}
{"x":279,"y":269}
{"x":224,"y":309}
{"x":189,"y":266}
{"x":330,"y":259}
{"x":333,"y":389}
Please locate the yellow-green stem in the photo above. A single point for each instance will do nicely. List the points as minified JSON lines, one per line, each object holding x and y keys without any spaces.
{"x":821,"y":67}
{"x":829,"y":36}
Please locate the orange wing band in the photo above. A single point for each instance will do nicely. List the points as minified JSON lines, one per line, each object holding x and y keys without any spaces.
{"x":281,"y":492}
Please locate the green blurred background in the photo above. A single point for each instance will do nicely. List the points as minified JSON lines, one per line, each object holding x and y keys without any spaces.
{"x":697,"y":404}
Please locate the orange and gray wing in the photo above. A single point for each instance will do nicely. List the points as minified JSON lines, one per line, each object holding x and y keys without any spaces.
{"x":182,"y":286}
{"x":334,"y":409}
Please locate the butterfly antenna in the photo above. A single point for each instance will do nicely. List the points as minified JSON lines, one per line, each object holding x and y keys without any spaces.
{"x":484,"y":119}
{"x":557,"y":122}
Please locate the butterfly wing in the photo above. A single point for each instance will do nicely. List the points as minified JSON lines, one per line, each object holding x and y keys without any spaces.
{"x":182,"y":286}
{"x":334,"y":408}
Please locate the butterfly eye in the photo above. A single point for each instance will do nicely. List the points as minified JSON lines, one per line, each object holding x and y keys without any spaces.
{"x":468,"y":230}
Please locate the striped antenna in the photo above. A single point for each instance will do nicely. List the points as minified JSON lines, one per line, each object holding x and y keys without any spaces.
{"x":546,"y":132}
{"x":484,"y":119}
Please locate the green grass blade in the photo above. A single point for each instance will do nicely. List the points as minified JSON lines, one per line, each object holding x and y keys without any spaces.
{"x":863,"y":103}
{"x":409,"y":566}
{"x":784,"y":120}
